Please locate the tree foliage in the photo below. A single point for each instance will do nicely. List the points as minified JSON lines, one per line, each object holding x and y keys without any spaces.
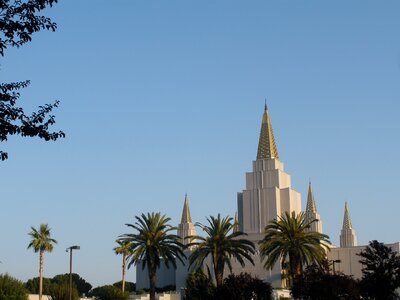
{"x":153,"y":243}
{"x":381,"y":271}
{"x":223,"y":244}
{"x":109,"y":292}
{"x":288,"y":239}
{"x":317,"y":281}
{"x":244,"y":287}
{"x":32,"y":285}
{"x":81,"y":285}
{"x":60,"y":291}
{"x":19,"y":20}
{"x":11,"y":288}
{"x":129,"y":286}
{"x":199,"y":286}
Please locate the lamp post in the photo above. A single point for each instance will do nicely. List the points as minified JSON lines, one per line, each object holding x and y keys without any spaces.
{"x":333,"y":262}
{"x":70,"y":267}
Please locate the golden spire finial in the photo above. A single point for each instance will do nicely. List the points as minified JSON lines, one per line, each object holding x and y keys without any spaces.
{"x":186,"y":218}
{"x":311,"y":207}
{"x":266,"y":146}
{"x":346,"y":218}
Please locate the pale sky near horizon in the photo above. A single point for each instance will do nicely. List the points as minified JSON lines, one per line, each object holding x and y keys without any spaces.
{"x":160,"y":98}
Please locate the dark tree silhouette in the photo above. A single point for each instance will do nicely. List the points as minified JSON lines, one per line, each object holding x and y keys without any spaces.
{"x":317,"y":281}
{"x":243,"y":287}
{"x":381,"y":271}
{"x":19,"y":19}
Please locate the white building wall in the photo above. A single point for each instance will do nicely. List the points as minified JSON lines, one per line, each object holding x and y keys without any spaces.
{"x":350,"y":261}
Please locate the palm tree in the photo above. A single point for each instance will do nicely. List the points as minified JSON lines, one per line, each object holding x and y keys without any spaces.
{"x":152,"y":244}
{"x":288,"y":239}
{"x":41,"y":242}
{"x":223,"y":244}
{"x":123,"y":248}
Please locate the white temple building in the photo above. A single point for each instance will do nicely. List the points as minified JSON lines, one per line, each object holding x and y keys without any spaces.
{"x":267,"y":195}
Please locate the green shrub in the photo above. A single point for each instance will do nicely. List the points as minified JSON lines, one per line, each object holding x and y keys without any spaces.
{"x":60,"y":291}
{"x":199,"y":286}
{"x":32,"y":285}
{"x":11,"y":288}
{"x":109,"y":292}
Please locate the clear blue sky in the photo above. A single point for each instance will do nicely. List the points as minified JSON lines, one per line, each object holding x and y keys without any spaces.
{"x":160,"y":98}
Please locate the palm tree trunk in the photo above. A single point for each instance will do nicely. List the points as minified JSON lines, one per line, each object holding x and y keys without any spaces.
{"x":219,"y":273}
{"x":152,"y":281}
{"x":40,"y":274}
{"x":123,"y":271}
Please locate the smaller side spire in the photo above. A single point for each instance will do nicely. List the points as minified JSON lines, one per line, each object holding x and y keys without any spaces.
{"x":348,"y":236}
{"x":186,"y":227}
{"x":311,"y":214}
{"x":186,"y":218}
{"x":346,"y":218}
{"x":311,"y":207}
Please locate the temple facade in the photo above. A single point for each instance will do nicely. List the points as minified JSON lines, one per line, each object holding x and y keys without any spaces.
{"x":267,"y":195}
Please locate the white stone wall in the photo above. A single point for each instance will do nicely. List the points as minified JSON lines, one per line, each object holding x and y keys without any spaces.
{"x":350,"y":264}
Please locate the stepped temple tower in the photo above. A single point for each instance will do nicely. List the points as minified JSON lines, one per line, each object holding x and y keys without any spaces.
{"x":268,"y":192}
{"x":311,"y":212}
{"x":348,"y":236}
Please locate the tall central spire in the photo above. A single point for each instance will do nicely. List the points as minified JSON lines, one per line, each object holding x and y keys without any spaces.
{"x":266,"y":146}
{"x":346,"y":218}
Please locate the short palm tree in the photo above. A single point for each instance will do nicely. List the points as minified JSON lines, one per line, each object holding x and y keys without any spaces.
{"x":41,"y":242}
{"x":152,"y":243}
{"x":222,"y":243}
{"x":289,"y":240}
{"x":123,"y":248}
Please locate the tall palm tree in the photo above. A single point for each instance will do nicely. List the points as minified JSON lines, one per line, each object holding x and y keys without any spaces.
{"x":288,"y":239}
{"x":41,"y":242}
{"x":153,"y":243}
{"x":222,"y":243}
{"x":123,"y":248}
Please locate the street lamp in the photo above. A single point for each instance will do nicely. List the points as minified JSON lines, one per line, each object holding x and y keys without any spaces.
{"x":333,"y":262}
{"x":70,"y":267}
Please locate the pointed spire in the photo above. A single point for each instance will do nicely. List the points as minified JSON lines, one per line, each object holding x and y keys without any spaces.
{"x":311,"y":207}
{"x":186,"y":218}
{"x":266,"y":146}
{"x":346,"y":219}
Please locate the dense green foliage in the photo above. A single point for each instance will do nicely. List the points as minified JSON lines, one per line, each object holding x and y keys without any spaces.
{"x":223,"y":244}
{"x":56,"y":285}
{"x":109,"y":292}
{"x":32,"y":285}
{"x":317,"y":281}
{"x":129,"y":286}
{"x":234,"y":287}
{"x":152,"y":243}
{"x":19,"y":19}
{"x":381,"y":272}
{"x":82,"y":286}
{"x":244,"y":287}
{"x":60,"y":291}
{"x":199,"y":286}
{"x":11,"y":288}
{"x":288,"y":239}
